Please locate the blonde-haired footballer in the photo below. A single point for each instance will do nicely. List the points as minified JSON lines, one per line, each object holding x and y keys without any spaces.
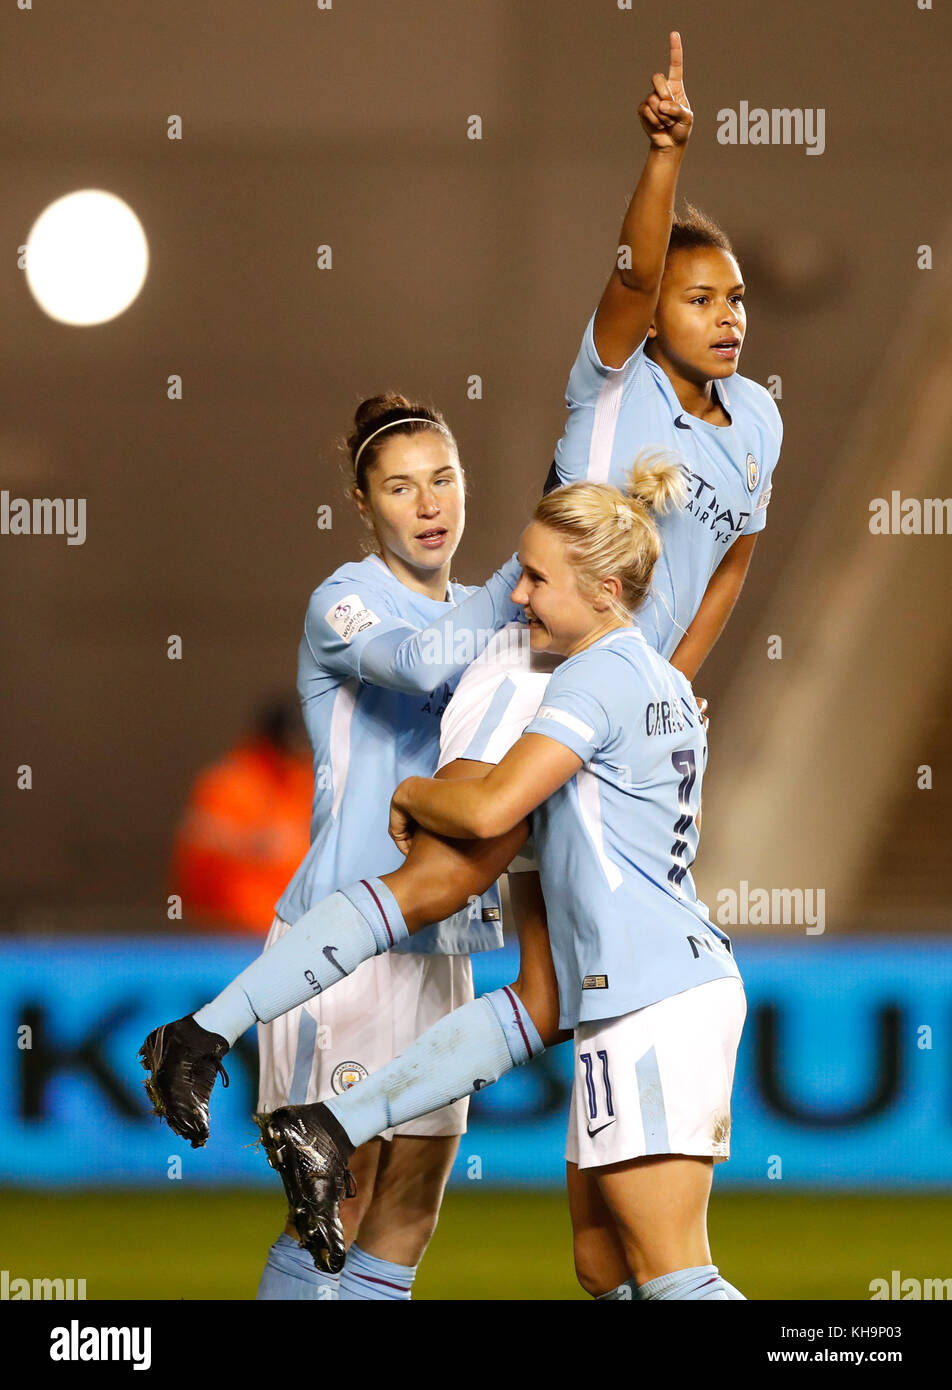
{"x":610,"y":770}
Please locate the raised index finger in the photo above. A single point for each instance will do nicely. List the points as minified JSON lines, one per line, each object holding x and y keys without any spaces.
{"x":676,"y":62}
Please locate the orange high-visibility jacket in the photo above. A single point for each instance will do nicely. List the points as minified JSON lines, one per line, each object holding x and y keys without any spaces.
{"x":245,"y":830}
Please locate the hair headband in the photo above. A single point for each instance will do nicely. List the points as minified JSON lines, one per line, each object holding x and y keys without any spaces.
{"x":407,"y":420}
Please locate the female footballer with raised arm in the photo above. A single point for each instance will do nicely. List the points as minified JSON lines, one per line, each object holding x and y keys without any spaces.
{"x":653,"y":370}
{"x":652,"y":373}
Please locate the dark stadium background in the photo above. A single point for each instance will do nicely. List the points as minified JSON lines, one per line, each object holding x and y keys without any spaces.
{"x":454,"y":257}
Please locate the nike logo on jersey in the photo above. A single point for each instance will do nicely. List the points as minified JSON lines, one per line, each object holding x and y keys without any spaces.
{"x":329,"y":955}
{"x":679,"y":422}
{"x":593,"y":1132}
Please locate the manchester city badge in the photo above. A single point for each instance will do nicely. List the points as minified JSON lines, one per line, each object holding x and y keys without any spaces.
{"x":347,"y":1075}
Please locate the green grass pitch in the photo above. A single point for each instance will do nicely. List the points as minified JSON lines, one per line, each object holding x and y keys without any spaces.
{"x":489,"y":1244}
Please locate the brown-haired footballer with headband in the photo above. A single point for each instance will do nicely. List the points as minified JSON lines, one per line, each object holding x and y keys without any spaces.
{"x":385,"y":640}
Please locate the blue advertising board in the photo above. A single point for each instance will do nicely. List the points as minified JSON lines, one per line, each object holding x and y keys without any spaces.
{"x":844,"y":1078}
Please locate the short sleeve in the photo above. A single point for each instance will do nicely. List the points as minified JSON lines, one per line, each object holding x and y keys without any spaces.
{"x":758,"y":512}
{"x":592,"y":383}
{"x":573,"y":715}
{"x":589,"y":373}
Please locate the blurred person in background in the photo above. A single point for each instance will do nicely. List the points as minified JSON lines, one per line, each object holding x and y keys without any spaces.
{"x":246,"y":825}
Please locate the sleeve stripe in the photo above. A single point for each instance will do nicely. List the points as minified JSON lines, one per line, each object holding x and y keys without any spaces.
{"x":561,"y":716}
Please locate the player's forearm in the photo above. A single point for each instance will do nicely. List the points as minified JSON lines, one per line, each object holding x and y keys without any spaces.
{"x":698,"y":642}
{"x":646,"y":229}
{"x":709,"y":622}
{"x":715,"y":608}
{"x":457,"y":808}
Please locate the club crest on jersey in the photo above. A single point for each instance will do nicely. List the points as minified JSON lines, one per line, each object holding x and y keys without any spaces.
{"x":753,"y":473}
{"x":347,"y":1075}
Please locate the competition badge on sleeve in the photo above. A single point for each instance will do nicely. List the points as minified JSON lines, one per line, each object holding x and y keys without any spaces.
{"x":350,"y":616}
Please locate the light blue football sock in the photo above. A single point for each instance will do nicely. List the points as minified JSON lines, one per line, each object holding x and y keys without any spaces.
{"x":467,"y":1050}
{"x":698,"y":1284}
{"x":291,"y":1274}
{"x":324,"y":946}
{"x":366,"y":1277}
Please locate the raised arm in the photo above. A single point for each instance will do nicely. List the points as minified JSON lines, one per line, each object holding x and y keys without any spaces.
{"x":626,"y":307}
{"x":351,"y":634}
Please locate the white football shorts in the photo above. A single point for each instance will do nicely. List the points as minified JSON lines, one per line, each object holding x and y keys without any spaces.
{"x":498,"y":695}
{"x":334,"y":1041}
{"x":658,"y":1080}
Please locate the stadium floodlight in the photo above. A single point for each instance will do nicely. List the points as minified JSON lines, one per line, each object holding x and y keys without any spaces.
{"x":86,"y":257}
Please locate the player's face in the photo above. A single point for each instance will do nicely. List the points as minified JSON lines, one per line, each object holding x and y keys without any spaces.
{"x":415,"y":500}
{"x":560,"y":618}
{"x":700,"y":322}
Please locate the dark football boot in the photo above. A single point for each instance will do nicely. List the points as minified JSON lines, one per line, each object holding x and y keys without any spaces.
{"x":309,"y":1148}
{"x":184,"y":1059}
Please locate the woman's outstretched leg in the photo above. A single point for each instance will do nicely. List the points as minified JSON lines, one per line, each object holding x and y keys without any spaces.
{"x":325,"y":945}
{"x":310,"y":1145}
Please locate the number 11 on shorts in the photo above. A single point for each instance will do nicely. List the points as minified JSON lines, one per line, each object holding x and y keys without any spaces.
{"x":598,"y":1091}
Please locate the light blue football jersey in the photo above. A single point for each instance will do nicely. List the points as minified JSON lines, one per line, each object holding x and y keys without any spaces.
{"x":372,"y":689}
{"x":615,"y":844}
{"x":616,"y":411}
